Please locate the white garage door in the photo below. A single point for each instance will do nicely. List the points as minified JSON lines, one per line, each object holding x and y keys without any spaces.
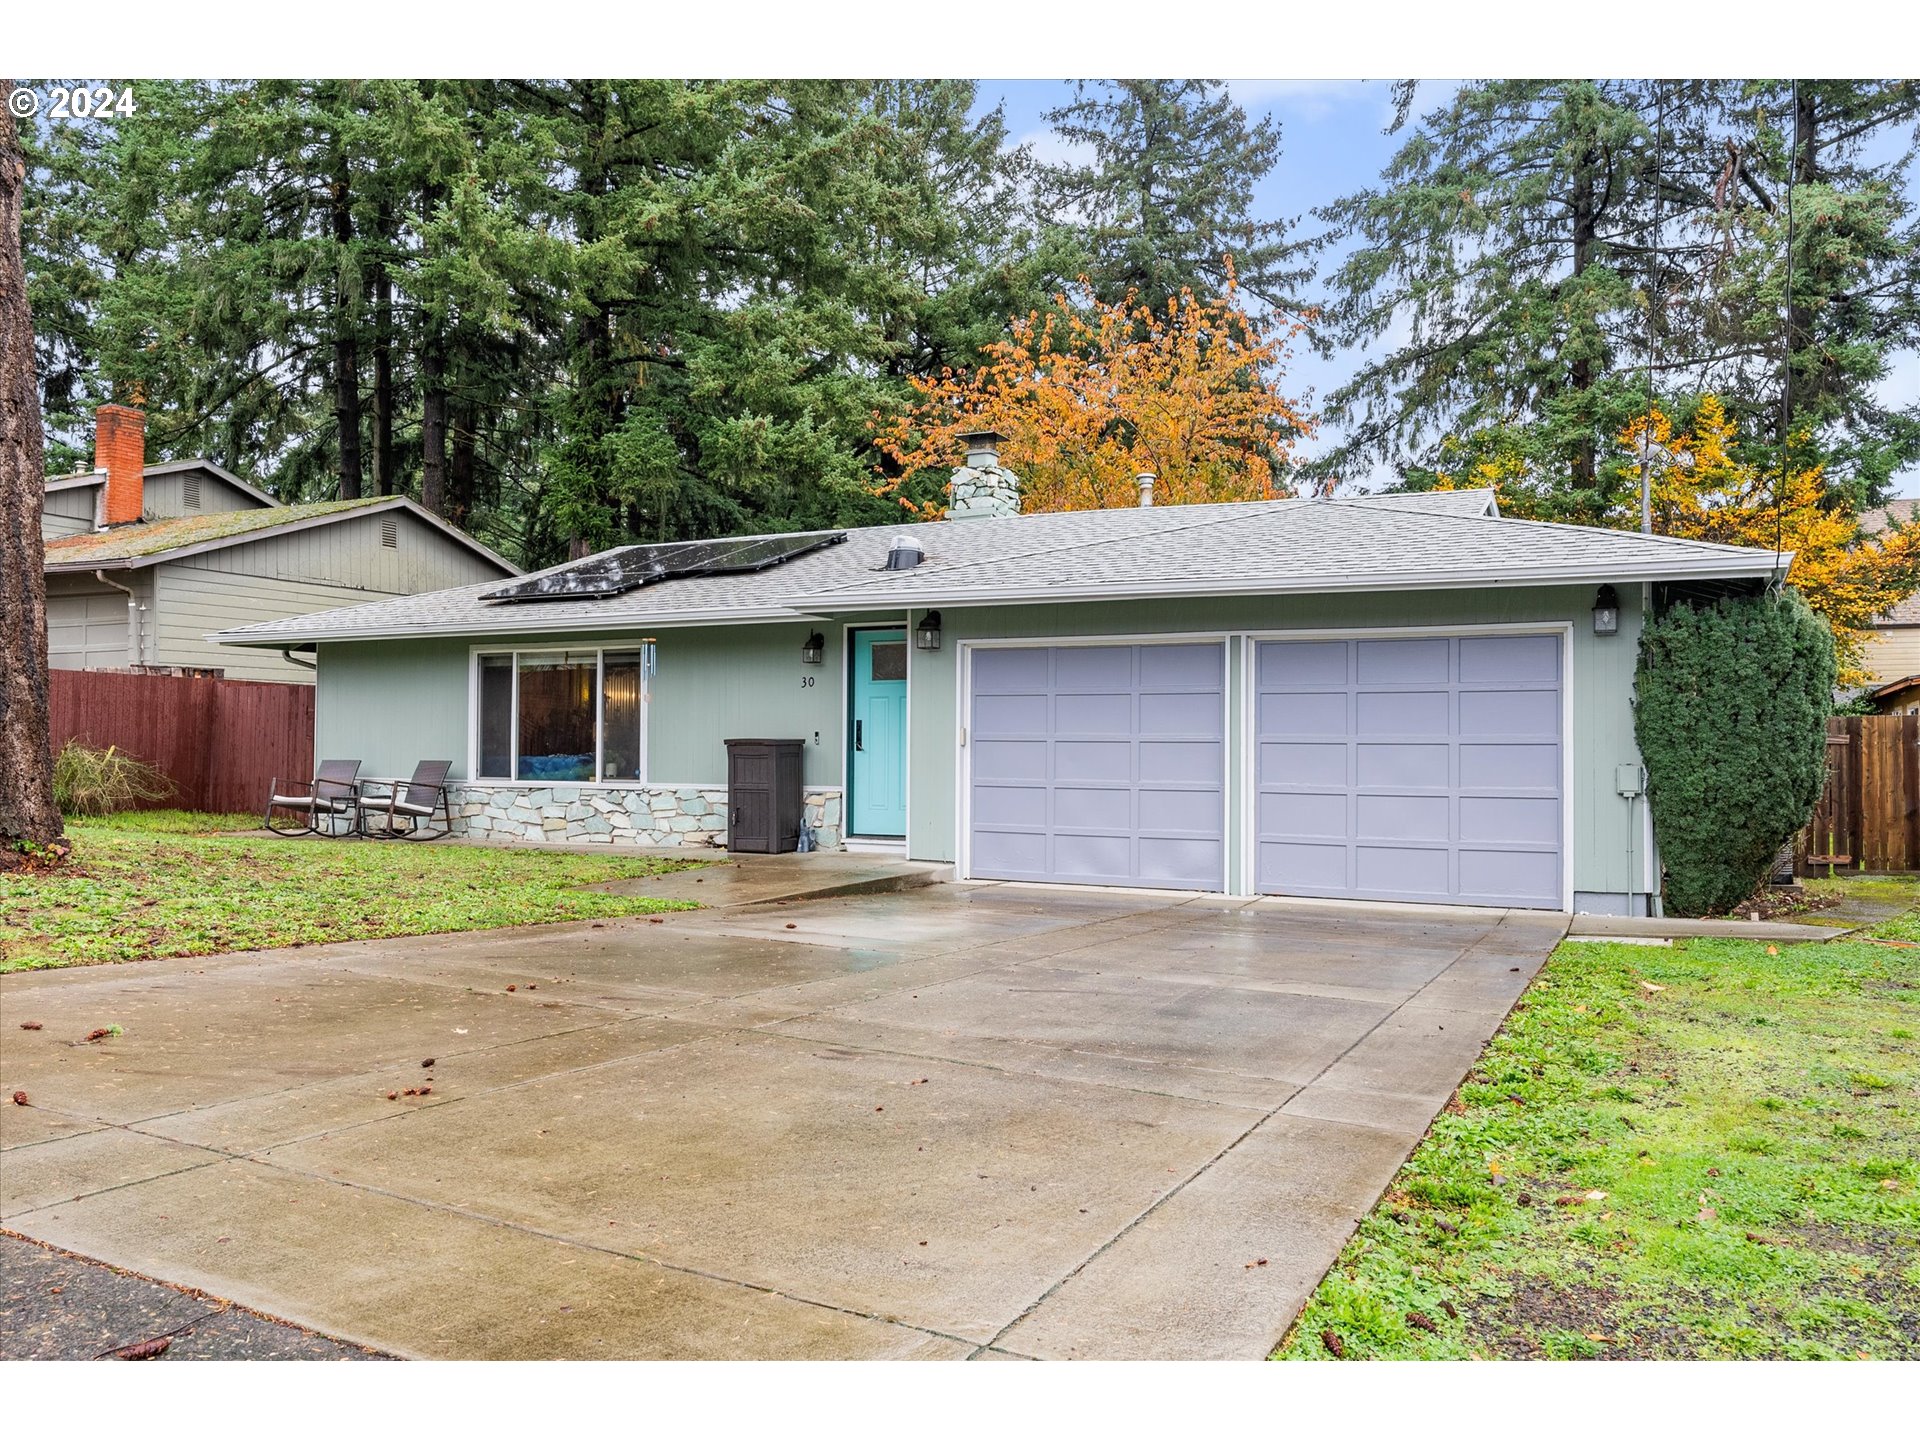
{"x":1098,"y":765}
{"x":1411,"y":769}
{"x":87,"y":632}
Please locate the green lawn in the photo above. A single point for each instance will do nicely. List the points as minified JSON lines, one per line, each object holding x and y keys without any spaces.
{"x":141,"y":887}
{"x":1708,"y":1151}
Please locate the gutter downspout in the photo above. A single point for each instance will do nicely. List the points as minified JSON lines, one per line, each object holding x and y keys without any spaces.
{"x":286,"y":654}
{"x":133,"y":615}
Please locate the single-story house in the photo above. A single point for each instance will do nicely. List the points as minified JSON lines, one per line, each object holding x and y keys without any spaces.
{"x":143,"y":560}
{"x":1397,"y":697}
{"x":1897,"y":697}
{"x":1894,"y":651}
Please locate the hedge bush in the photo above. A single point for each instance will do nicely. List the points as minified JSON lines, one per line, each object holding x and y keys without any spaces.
{"x":1731,"y":716}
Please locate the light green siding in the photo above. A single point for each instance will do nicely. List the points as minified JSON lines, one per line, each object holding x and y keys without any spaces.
{"x":1599,"y":684}
{"x":387,"y":699}
{"x":191,"y":603}
{"x":351,"y":554}
{"x":391,"y":703}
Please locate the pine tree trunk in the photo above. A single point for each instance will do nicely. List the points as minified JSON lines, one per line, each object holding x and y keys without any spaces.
{"x":460,"y":467}
{"x":383,"y":478}
{"x":346,"y":346}
{"x":433,"y":425}
{"x":27,"y":810}
{"x":1585,"y":233}
{"x":1806,"y":150}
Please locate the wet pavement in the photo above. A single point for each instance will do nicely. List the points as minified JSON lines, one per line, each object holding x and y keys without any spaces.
{"x":968,"y":1121}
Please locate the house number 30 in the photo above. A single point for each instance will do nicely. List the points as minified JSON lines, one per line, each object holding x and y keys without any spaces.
{"x":806,"y":682}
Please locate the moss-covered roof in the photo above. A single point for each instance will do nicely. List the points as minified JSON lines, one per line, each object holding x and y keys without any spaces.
{"x":149,"y":539}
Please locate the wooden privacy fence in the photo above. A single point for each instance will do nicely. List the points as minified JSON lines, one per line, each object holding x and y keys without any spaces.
{"x":221,"y":742}
{"x":1868,"y":817}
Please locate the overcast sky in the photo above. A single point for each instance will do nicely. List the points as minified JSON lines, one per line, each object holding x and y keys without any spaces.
{"x":1331,"y":144}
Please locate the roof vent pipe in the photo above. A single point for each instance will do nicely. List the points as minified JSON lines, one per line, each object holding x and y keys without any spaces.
{"x":905,"y":553}
{"x":1146,"y":479}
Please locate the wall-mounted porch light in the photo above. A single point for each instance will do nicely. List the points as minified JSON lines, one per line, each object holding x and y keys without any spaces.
{"x":926,"y":635}
{"x":1606,"y":612}
{"x":815,"y":650}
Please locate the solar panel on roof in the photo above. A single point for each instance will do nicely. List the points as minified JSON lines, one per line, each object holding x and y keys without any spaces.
{"x":631,"y":567}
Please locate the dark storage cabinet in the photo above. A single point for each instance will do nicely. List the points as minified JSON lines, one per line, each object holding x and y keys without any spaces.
{"x":765,"y":798}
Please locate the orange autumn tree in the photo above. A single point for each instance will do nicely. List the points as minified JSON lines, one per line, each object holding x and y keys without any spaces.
{"x":1701,"y":492}
{"x":1090,"y":395}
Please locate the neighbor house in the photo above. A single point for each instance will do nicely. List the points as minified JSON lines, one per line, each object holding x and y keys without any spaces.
{"x":143,"y":560}
{"x":1401,"y":697}
{"x":1893,"y":654}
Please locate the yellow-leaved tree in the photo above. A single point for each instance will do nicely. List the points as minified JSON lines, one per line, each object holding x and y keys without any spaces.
{"x":1089,"y":396}
{"x":1701,"y":491}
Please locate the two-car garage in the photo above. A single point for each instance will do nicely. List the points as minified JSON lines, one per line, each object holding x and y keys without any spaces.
{"x":1385,"y":767}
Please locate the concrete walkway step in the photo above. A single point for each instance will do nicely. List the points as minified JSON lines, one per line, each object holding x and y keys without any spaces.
{"x":741,"y":880}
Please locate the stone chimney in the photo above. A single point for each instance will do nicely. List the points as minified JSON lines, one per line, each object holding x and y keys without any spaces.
{"x":983,"y":487}
{"x":120,"y":449}
{"x":1146,"y":479}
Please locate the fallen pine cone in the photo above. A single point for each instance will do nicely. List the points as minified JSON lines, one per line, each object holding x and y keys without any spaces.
{"x":20,"y":1098}
{"x":426,"y":1064}
{"x":1336,"y":1347}
{"x":31,"y":1025}
{"x":1422,"y":1322}
{"x":96,"y":1035}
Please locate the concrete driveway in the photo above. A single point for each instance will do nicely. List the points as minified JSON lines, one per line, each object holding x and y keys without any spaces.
{"x":966,"y":1121}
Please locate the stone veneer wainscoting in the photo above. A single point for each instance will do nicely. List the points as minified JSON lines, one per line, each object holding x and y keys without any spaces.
{"x":693,"y":815}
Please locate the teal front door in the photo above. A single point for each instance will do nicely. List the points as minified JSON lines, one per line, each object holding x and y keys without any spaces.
{"x":877,"y":736}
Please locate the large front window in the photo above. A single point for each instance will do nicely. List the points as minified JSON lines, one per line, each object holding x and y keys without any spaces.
{"x":561,"y":716}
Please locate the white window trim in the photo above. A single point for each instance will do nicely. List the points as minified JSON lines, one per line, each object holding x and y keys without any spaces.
{"x":476,"y":653}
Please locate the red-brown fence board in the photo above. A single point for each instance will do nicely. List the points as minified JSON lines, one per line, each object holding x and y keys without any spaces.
{"x":1868,"y":815}
{"x":221,"y":742}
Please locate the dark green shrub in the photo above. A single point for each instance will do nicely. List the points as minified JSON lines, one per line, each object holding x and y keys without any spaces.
{"x":1732,"y":706}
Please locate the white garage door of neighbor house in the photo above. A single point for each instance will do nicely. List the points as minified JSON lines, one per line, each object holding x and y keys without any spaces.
{"x":87,"y":632}
{"x":1098,"y":765}
{"x":1422,"y":768}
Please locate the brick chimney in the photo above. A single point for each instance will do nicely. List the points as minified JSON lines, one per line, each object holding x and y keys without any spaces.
{"x":120,"y":449}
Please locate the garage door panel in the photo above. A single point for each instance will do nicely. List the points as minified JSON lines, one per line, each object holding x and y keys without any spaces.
{"x":1396,"y":871}
{"x":1302,"y":713}
{"x":1125,"y":775}
{"x":1093,"y":667}
{"x":1510,"y":877}
{"x":1023,"y":805}
{"x":1011,"y":715}
{"x":1298,"y":764}
{"x":1513,"y":820}
{"x":1443,"y":784}
{"x":1401,"y":817}
{"x":1510,"y":712}
{"x":1509,"y":767}
{"x":1182,"y":812}
{"x":998,"y":672}
{"x":1514,"y":658}
{"x":1384,"y":764}
{"x":1401,"y":662}
{"x":1182,"y":864}
{"x":1009,"y":760}
{"x":1303,"y":815}
{"x":1092,"y":715}
{"x":1298,"y":868}
{"x":1403,"y":712}
{"x":1080,"y":807}
{"x":1195,"y":716}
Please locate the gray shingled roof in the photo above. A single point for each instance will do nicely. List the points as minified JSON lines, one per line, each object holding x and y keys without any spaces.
{"x":1446,"y":540}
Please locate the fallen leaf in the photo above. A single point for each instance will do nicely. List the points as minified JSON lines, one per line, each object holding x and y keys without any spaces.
{"x":20,"y":1098}
{"x":1598,"y":1338}
{"x":1773,"y":949}
{"x":1758,"y":1239}
{"x":878,"y":1108}
{"x":1335,"y":1346}
{"x":1451,"y":1313}
{"x":426,"y":1064}
{"x":94,"y":1036}
{"x":1567,"y":1200}
{"x":1448,"y":1226}
{"x":31,"y":1025}
{"x":1706,"y":1213}
{"x":512,"y":988}
{"x":1596,"y":1194}
{"x":792,"y":926}
{"x":1651,"y":988}
{"x":1524,"y":1198}
{"x":393,"y":1094}
{"x":1254,"y":1264}
{"x":142,"y":1350}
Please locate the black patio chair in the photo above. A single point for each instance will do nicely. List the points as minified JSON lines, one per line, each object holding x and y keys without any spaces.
{"x":421,"y":803}
{"x":327,"y":806}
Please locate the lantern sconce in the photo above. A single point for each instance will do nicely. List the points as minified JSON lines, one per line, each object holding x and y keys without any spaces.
{"x":926,"y":635}
{"x":815,"y":650}
{"x":1606,"y":612}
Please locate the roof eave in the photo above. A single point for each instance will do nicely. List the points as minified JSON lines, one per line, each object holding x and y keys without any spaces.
{"x":556,"y":625}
